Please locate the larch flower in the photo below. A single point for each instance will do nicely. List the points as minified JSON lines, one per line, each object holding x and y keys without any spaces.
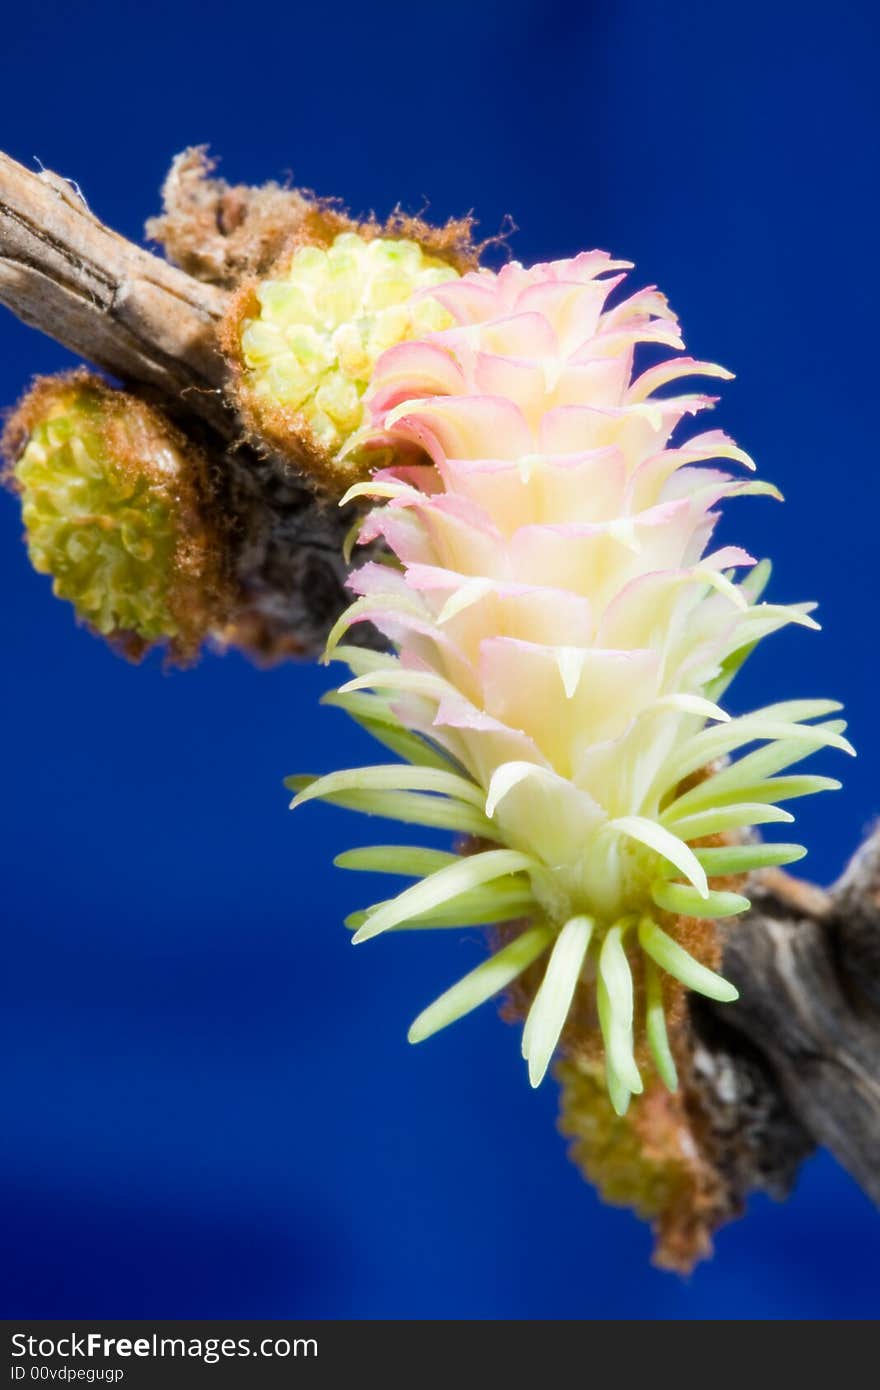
{"x":563,"y":633}
{"x":307,"y":337}
{"x":114,"y":503}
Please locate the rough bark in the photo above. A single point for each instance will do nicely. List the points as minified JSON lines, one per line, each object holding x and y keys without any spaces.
{"x":795,"y":1063}
{"x":806,"y":965}
{"x":111,"y":302}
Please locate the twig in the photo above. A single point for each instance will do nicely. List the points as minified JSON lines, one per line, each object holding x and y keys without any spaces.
{"x":797,"y":1061}
{"x":805,"y":963}
{"x":144,"y":321}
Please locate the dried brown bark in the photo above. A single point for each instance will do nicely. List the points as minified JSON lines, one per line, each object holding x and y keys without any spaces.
{"x":64,"y":272}
{"x":806,"y":964}
{"x":796,"y":1063}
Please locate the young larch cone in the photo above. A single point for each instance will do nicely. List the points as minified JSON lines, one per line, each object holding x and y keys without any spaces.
{"x":563,"y":634}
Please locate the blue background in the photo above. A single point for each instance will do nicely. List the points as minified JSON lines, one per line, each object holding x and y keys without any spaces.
{"x":209,"y":1108}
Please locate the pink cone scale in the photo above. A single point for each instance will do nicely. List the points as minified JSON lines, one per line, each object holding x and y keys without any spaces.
{"x":562,"y":633}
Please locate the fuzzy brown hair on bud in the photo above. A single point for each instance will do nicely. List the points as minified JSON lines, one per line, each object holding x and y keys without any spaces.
{"x":220,"y":232}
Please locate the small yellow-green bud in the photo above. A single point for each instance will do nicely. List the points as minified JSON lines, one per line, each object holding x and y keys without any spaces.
{"x":309,"y":337}
{"x":114,"y":502}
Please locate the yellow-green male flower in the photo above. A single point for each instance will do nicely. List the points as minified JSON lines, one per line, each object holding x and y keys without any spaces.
{"x":306,"y":341}
{"x":115,"y":506}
